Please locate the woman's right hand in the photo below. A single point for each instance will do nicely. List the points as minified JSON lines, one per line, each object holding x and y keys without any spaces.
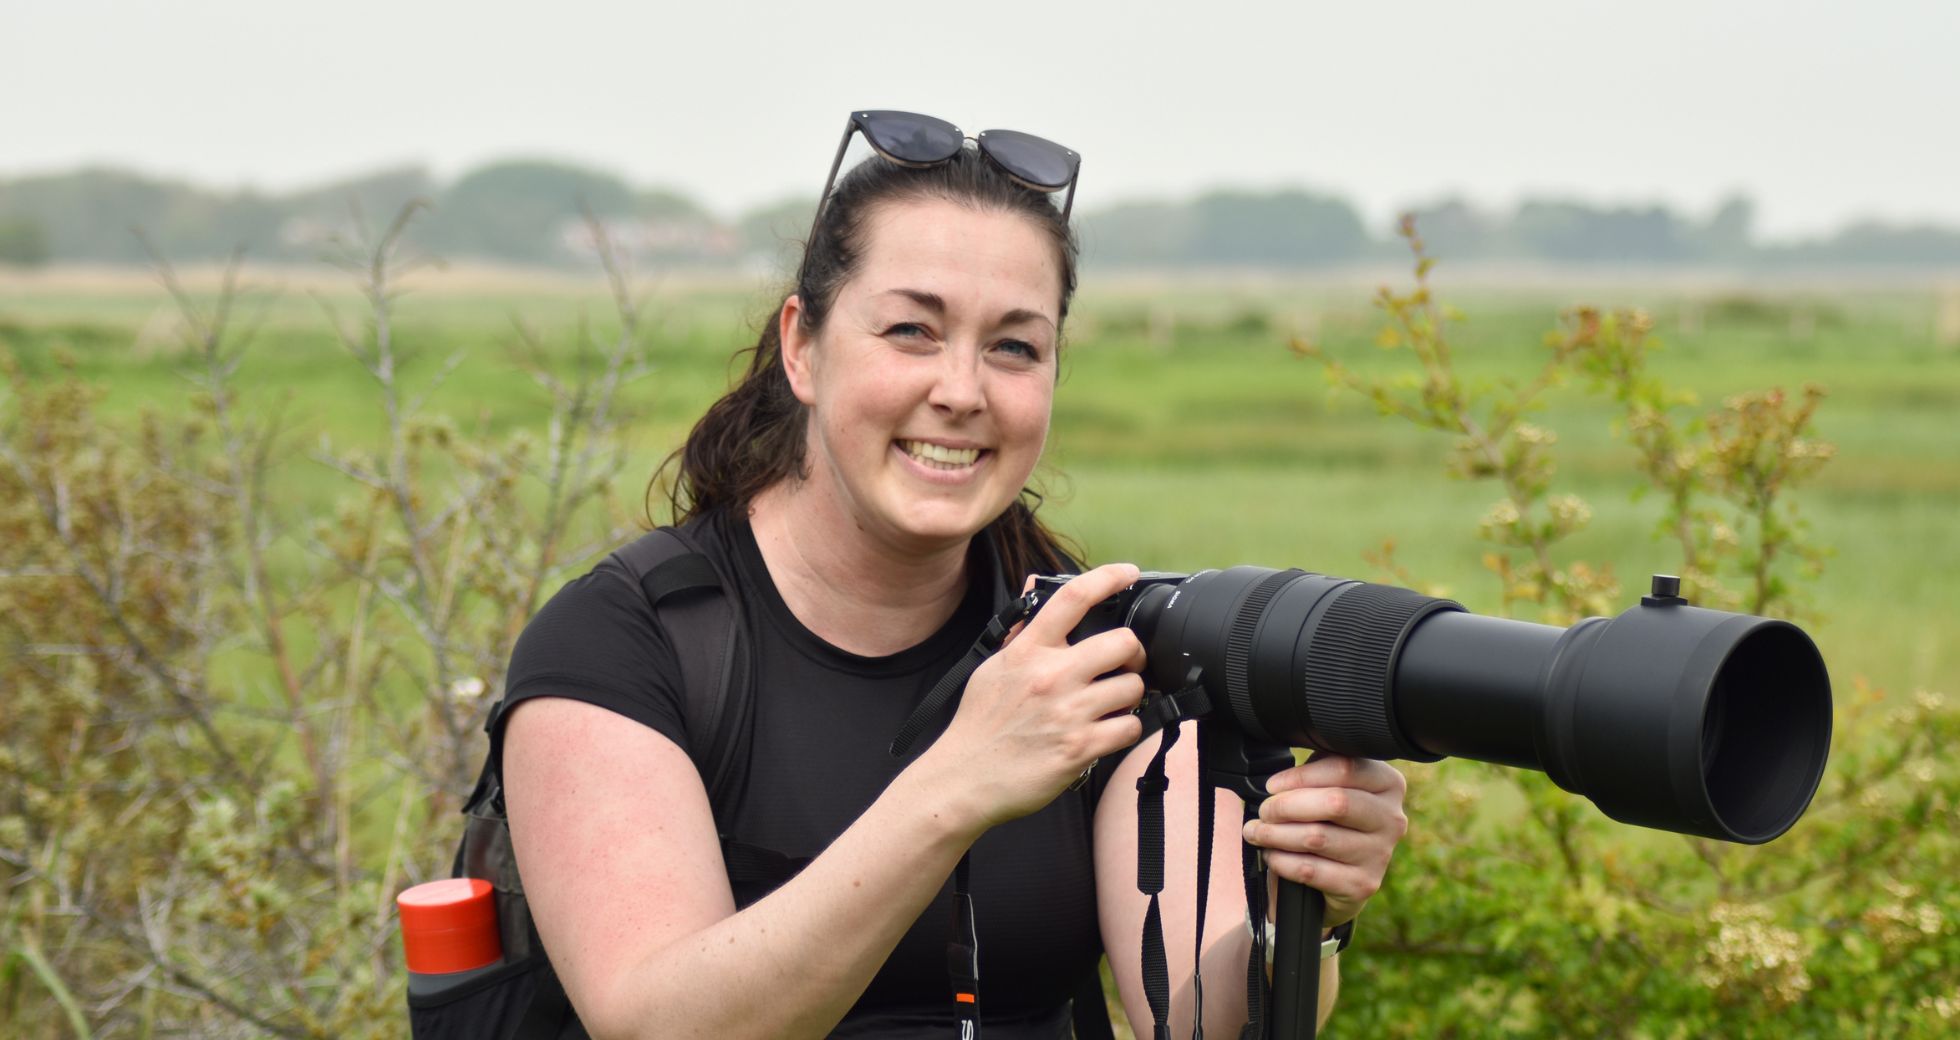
{"x":1040,"y":711}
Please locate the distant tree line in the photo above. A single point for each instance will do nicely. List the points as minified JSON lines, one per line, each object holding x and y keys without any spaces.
{"x":533,"y":213}
{"x":517,"y":212}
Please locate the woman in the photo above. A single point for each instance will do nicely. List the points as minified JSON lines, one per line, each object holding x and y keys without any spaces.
{"x":864,"y":486}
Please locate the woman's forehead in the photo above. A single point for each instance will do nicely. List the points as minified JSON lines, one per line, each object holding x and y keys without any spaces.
{"x":966,"y":256}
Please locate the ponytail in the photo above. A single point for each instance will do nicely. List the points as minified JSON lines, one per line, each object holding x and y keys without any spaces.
{"x":747,"y":441}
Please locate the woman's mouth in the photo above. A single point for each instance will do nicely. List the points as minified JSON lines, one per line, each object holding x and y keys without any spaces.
{"x":940,"y":457}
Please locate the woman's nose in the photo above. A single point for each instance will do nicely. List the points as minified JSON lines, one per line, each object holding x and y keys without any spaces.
{"x":957,"y":389}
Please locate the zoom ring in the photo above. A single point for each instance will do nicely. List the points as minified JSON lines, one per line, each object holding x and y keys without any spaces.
{"x":1238,"y":647}
{"x":1349,"y":664}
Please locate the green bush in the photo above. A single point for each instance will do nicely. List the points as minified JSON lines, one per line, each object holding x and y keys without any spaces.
{"x":1516,"y":909}
{"x":238,"y":723}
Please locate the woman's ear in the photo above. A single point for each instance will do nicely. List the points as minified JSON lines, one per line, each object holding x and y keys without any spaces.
{"x":798,"y":349}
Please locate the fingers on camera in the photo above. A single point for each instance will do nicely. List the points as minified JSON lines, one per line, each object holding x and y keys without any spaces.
{"x":1116,"y":733}
{"x":1066,"y":610}
{"x":1110,"y":651}
{"x":1115,"y":694}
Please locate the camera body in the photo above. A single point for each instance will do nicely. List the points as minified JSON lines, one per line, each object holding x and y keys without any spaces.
{"x":1118,"y":611}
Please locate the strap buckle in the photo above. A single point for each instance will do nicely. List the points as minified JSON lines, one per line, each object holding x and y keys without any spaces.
{"x":1190,"y":701}
{"x":1015,"y":613}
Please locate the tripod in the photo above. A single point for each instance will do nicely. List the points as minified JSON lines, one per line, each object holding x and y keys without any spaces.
{"x":1242,"y":766}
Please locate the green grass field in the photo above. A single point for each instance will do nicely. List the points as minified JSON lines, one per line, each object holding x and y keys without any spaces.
{"x":1186,"y":435}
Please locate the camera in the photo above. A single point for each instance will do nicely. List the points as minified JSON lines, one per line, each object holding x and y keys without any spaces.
{"x":1667,"y":716}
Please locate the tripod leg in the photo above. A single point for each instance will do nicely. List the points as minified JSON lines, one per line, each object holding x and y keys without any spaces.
{"x":1296,"y":961}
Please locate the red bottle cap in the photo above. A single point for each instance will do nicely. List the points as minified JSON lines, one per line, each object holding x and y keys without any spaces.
{"x":449,"y":925}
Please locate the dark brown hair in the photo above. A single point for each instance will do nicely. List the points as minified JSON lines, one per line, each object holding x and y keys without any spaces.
{"x":753,"y":436}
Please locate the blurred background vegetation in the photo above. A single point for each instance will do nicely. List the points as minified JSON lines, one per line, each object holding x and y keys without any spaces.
{"x":531,"y":212}
{"x":266,"y":537}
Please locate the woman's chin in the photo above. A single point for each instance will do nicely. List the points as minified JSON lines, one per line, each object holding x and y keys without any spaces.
{"x":940,"y":530}
{"x":941,"y":522}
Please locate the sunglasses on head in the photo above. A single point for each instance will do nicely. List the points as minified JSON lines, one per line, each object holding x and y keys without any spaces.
{"x":910,"y":139}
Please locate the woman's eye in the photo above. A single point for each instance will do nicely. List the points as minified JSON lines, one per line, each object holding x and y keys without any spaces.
{"x":1020,"y":348}
{"x":906,"y":330}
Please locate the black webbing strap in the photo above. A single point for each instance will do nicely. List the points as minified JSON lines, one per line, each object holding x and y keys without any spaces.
{"x":1150,"y":881}
{"x":701,"y":619}
{"x":1207,"y":820}
{"x":963,"y":949}
{"x":1257,"y":991}
{"x":683,"y":573}
{"x":963,"y":954}
{"x":934,"y":705}
{"x":953,"y":682}
{"x":1162,"y":713}
{"x":665,"y":564}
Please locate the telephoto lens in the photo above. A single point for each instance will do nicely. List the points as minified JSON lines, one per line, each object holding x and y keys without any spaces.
{"x":1669,"y":716}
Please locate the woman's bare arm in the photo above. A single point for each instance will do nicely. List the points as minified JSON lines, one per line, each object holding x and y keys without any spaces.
{"x":623,"y":870}
{"x":1122,"y":908}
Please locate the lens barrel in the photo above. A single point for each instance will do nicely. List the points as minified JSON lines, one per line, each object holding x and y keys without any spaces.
{"x":1668,"y":716}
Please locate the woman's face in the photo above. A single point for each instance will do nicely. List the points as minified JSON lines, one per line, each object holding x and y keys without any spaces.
{"x":930,"y":384}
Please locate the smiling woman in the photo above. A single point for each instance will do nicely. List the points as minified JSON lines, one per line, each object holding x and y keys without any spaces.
{"x":929,"y":389}
{"x":990,"y":243}
{"x":861,"y":497}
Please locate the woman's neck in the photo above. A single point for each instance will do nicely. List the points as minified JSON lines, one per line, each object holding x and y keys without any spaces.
{"x":853,"y":590}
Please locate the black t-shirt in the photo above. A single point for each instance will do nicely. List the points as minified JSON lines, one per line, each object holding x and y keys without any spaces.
{"x":823,"y":721}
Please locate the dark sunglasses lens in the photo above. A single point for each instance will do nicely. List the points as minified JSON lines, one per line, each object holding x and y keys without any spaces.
{"x":910,"y":137}
{"x":1038,"y":161}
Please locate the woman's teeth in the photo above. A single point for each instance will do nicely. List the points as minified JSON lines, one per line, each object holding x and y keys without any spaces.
{"x":939,"y":457}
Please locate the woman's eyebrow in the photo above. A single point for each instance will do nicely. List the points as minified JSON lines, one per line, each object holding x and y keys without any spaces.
{"x":930,"y":301}
{"x":937,"y":304}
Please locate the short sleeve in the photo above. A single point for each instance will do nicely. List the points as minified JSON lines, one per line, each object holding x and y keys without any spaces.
{"x":597,"y":641}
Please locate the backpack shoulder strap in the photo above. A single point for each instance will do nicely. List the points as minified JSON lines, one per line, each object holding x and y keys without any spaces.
{"x":700,"y":610}
{"x":697,"y":607}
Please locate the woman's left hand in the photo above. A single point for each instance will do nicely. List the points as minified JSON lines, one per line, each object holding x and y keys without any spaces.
{"x":1332,"y":824}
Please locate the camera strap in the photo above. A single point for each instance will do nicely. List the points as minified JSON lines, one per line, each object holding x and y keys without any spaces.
{"x":963,"y":954}
{"x":1207,"y":818}
{"x":1257,"y":993}
{"x":1162,"y":713}
{"x":963,"y":949}
{"x":953,"y":682}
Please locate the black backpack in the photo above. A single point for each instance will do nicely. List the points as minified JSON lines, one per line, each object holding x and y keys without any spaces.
{"x":695,"y":604}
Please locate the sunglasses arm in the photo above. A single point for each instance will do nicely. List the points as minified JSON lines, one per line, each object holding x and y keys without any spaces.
{"x":1068,"y":201}
{"x":844,"y":143}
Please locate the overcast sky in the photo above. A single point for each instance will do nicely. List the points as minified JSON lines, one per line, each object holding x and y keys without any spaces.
{"x":1822,"y":111}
